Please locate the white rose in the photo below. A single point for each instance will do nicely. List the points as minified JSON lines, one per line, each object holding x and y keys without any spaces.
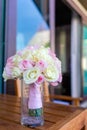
{"x":5,"y":76}
{"x":7,"y":73}
{"x":16,"y":72}
{"x":16,"y":59}
{"x":30,"y":76}
{"x":51,"y":73}
{"x":27,"y":54}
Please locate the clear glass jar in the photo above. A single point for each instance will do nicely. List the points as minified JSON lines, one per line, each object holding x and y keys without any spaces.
{"x":31,"y":105}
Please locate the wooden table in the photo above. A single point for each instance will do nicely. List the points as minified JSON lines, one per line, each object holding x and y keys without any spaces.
{"x":57,"y":117}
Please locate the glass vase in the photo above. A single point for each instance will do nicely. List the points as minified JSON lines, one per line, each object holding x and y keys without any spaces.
{"x":31,"y":105}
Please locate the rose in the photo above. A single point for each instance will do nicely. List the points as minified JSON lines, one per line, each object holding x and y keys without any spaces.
{"x":16,"y":72}
{"x":11,"y":73}
{"x":6,"y":75}
{"x":53,"y":55}
{"x":42,"y":65}
{"x":58,"y":63}
{"x":30,"y":76}
{"x":16,"y":59}
{"x":10,"y":61}
{"x":40,"y":79}
{"x":54,"y":83}
{"x":27,"y":54}
{"x":34,"y":65}
{"x":59,"y":80}
{"x":51,"y":73}
{"x":43,"y":54}
{"x":25,"y":64}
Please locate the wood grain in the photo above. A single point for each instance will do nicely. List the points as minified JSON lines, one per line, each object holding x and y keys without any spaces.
{"x":56,"y":116}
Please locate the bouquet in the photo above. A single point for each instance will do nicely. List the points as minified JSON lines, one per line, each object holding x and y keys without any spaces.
{"x":34,"y":65}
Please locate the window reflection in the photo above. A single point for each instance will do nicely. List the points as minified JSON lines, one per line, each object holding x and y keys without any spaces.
{"x":31,"y":26}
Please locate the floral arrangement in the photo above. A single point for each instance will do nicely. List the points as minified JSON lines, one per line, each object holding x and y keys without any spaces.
{"x":34,"y":65}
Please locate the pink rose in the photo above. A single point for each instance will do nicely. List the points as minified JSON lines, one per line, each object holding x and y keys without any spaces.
{"x":58,"y":81}
{"x":58,"y":63}
{"x":41,"y":64}
{"x":53,"y":55}
{"x":32,"y":48}
{"x":60,"y":78}
{"x":9,"y":66}
{"x":8,"y":71}
{"x":19,"y":53}
{"x":10,"y":62}
{"x":40,"y":79}
{"x":54,"y":83}
{"x":25,"y":64}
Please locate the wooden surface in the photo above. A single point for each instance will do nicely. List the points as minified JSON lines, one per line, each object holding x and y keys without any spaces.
{"x":57,"y":117}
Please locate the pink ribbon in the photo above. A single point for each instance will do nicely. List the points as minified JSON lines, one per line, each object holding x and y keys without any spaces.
{"x":35,"y":98}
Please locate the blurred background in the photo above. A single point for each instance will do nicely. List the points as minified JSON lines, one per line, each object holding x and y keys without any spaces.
{"x":59,"y":24}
